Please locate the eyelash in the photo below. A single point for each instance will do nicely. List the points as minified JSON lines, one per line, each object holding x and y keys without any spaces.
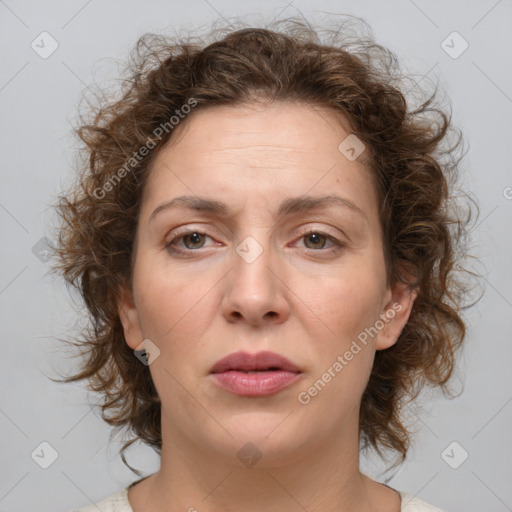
{"x":172,"y":249}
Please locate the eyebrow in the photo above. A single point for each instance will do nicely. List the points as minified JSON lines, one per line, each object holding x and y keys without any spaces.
{"x":299,"y":204}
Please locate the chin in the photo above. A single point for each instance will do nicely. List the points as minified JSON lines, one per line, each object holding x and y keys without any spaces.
{"x":263,"y":439}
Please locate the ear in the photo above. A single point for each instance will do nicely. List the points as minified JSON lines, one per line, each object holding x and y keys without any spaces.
{"x":129,"y":318}
{"x":395,"y":315}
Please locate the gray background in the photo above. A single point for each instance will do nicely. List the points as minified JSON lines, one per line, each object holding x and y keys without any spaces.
{"x":38,"y":101}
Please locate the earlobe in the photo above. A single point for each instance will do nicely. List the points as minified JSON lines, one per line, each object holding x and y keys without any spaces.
{"x":129,"y":317}
{"x":395,"y":315}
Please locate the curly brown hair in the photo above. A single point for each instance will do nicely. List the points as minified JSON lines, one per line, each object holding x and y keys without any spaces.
{"x":412,"y":153}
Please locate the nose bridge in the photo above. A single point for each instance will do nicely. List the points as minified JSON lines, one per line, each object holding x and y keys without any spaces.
{"x":252,"y":262}
{"x":255,"y":292}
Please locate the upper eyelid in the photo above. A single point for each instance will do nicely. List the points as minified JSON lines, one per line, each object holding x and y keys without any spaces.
{"x":183,"y":230}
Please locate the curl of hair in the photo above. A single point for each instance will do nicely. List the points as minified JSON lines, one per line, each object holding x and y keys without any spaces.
{"x":412,"y":162}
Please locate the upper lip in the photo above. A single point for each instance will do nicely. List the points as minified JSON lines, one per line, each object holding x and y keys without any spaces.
{"x":252,"y":362}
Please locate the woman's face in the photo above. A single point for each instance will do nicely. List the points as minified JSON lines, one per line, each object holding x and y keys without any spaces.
{"x":247,"y":278}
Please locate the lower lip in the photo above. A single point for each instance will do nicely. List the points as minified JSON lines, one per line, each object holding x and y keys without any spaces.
{"x":255,"y":384}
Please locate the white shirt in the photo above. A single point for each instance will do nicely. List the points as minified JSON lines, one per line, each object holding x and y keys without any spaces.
{"x":118,"y":502}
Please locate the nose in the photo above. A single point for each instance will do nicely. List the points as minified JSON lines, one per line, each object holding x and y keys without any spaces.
{"x":255,"y":292}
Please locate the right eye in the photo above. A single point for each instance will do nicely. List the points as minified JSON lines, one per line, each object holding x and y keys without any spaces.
{"x":192,"y":240}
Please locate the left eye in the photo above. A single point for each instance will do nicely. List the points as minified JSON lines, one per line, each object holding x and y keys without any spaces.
{"x":318,"y":238}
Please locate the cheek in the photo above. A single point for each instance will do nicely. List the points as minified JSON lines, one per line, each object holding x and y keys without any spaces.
{"x":349,"y":301}
{"x":344,"y":362}
{"x":170,"y":302}
{"x":176,"y":310}
{"x":175,"y":315}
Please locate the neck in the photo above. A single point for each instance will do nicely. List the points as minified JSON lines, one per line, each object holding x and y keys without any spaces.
{"x":325,"y":477}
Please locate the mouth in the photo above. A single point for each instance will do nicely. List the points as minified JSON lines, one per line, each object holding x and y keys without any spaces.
{"x":256,"y":371}
{"x":260,"y":374}
{"x":254,"y":363}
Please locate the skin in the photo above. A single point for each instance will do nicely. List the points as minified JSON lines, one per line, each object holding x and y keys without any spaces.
{"x":300,"y":298}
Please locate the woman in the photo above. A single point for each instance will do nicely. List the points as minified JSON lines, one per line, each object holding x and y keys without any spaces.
{"x":264,"y":238}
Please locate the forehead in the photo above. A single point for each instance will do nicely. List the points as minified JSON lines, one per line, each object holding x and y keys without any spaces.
{"x":255,"y":153}
{"x":273,"y":129}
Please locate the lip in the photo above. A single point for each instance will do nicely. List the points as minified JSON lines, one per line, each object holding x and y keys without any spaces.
{"x":273,"y":373}
{"x":253,"y":362}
